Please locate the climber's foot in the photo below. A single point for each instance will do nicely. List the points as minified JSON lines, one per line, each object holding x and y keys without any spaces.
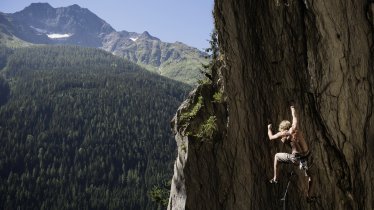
{"x":273,"y":181}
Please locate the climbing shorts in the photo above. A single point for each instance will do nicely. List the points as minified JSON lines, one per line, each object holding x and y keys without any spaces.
{"x":293,"y":159}
{"x":286,"y":158}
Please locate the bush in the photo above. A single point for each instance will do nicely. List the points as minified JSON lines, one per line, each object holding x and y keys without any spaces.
{"x":207,"y":129}
{"x":191,"y":114}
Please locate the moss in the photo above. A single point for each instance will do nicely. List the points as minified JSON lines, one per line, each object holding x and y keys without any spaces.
{"x":207,"y":129}
{"x":204,"y":81}
{"x":198,"y":120}
{"x":217,"y":97}
{"x":191,"y":114}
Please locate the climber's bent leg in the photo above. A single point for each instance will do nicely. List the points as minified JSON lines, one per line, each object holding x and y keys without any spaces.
{"x":284,"y":158}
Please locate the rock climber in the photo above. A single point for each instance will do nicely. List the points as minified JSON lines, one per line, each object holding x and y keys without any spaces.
{"x":291,"y":134}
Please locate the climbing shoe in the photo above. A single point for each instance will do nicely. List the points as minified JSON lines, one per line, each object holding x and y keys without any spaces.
{"x":273,"y":181}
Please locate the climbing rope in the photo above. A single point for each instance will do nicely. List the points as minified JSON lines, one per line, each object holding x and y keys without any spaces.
{"x":285,"y":193}
{"x":303,"y":165}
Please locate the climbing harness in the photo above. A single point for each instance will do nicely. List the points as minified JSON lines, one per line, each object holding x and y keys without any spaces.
{"x":303,"y":162}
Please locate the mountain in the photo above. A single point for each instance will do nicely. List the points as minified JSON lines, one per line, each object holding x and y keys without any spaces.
{"x":174,"y":60}
{"x":40,"y":23}
{"x":66,"y":25}
{"x":315,"y":55}
{"x":81,"y":128}
{"x":7,"y":32}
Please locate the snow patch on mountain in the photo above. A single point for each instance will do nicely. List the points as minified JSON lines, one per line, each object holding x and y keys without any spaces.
{"x":51,"y":35}
{"x":134,"y":38}
{"x":59,"y":36}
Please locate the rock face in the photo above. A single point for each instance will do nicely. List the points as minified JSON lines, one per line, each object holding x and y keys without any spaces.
{"x":317,"y":56}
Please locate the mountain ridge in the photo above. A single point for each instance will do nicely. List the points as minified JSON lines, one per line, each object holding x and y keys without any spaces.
{"x":40,"y":23}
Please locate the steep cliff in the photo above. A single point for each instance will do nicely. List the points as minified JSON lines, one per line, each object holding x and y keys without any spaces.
{"x":317,"y":55}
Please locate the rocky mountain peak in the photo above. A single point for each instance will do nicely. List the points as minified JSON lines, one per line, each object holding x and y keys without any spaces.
{"x":35,"y":11}
{"x":39,"y":6}
{"x":74,"y":6}
{"x":41,"y":23}
{"x":146,"y":35}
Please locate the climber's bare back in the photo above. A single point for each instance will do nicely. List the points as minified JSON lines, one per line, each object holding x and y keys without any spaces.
{"x":297,"y":142}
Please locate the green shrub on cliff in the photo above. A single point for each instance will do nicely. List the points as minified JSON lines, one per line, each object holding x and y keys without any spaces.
{"x":191,"y":114}
{"x":207,"y":129}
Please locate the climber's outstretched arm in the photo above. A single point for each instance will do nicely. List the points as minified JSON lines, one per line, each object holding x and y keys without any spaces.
{"x":294,"y":119}
{"x":277,"y":135}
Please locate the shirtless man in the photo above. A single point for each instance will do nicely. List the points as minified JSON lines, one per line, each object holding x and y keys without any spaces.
{"x":290,"y":133}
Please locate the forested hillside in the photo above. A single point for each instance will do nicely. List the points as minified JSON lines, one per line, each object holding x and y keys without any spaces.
{"x":82,"y":129}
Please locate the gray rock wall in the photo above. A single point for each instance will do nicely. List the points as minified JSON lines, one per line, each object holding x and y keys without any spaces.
{"x":317,"y":56}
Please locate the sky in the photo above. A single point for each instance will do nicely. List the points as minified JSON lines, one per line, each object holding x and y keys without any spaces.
{"x":187,"y":21}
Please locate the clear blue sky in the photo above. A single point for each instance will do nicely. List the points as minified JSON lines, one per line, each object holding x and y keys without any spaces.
{"x":187,"y":21}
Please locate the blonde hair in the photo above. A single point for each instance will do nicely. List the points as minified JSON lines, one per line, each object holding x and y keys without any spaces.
{"x":284,"y":125}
